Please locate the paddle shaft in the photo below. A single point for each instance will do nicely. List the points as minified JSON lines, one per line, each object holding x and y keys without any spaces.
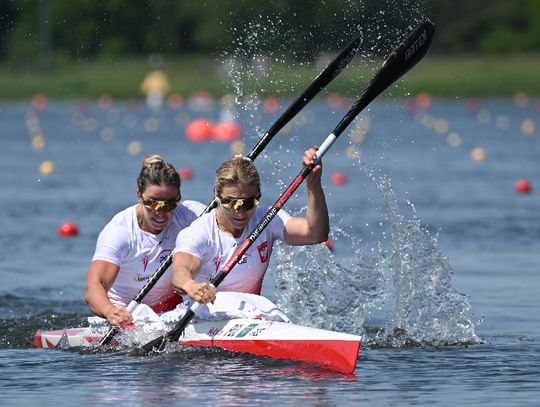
{"x":407,"y":54}
{"x":321,"y":81}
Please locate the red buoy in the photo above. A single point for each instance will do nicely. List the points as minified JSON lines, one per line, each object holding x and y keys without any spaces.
{"x":39,"y":102}
{"x":199,"y":130}
{"x":271,"y":104}
{"x":68,"y":229}
{"x":339,"y":178}
{"x":523,"y":186}
{"x":185,"y":173}
{"x":473,"y":105}
{"x":329,"y":245}
{"x":423,"y":100}
{"x":226,"y":131}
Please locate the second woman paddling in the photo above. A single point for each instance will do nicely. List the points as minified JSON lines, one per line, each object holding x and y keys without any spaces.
{"x":135,"y":242}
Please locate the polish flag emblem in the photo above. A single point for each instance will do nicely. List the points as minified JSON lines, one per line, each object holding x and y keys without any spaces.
{"x":263,"y":251}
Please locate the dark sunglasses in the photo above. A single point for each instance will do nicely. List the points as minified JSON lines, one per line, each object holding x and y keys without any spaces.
{"x":234,"y":204}
{"x":159,"y":205}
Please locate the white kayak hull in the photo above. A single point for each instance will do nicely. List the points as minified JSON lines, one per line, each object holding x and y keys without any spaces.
{"x":280,"y":340}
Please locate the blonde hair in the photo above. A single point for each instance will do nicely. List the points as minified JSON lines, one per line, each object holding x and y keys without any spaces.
{"x":155,"y":171}
{"x":238,"y":169}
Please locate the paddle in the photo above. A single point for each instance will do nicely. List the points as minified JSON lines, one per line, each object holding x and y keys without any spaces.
{"x":321,"y":81}
{"x":407,"y":54}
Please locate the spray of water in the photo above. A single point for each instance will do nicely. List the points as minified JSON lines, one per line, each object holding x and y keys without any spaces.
{"x":411,"y":278}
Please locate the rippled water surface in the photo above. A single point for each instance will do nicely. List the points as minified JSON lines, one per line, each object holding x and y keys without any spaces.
{"x":435,"y":258}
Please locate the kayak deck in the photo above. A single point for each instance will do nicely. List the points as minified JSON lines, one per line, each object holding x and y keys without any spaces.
{"x":280,"y":340}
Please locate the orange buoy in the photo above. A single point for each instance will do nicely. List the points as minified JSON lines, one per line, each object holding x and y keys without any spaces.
{"x":185,"y":173}
{"x":339,"y":178}
{"x":68,"y":229}
{"x":226,"y":131}
{"x":523,"y":186}
{"x":199,"y":130}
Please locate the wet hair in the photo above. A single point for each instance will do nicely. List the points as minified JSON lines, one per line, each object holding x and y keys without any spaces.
{"x":238,"y":169}
{"x":155,"y":171}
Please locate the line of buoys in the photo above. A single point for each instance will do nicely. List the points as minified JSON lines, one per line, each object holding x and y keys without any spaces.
{"x":68,"y":229}
{"x":523,"y":186}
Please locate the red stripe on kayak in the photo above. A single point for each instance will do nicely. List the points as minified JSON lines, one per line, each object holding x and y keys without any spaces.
{"x":37,"y":340}
{"x":337,"y":355}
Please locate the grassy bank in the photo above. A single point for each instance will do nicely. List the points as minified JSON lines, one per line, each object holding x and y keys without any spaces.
{"x":456,"y":76}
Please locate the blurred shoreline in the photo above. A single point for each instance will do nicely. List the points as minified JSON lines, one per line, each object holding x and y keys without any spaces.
{"x":463,"y":76}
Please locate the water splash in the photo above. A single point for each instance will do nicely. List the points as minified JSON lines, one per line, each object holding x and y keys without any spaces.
{"x":411,"y":278}
{"x":428,"y":310}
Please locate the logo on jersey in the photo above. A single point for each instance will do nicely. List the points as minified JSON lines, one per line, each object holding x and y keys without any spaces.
{"x":263,"y":251}
{"x":164,"y":255}
{"x":145,"y":260}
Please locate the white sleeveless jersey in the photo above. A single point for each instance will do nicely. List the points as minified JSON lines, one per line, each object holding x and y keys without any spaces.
{"x":139,"y":253}
{"x":204,"y":239}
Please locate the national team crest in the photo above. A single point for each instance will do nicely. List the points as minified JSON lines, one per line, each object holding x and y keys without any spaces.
{"x":263,"y":251}
{"x":145,"y":260}
{"x":217,"y":262}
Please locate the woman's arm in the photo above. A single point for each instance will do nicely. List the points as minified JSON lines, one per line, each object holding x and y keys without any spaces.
{"x":100,"y":278}
{"x":185,"y":268}
{"x":315,"y":226}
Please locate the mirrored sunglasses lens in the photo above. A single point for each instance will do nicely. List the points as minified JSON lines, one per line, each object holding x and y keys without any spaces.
{"x":234,"y":204}
{"x":157,"y":205}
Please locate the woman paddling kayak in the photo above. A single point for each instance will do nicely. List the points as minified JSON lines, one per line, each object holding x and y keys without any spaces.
{"x":134,"y":243}
{"x":209,"y":241}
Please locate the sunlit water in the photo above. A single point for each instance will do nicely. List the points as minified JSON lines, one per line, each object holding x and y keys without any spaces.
{"x":435,"y":258}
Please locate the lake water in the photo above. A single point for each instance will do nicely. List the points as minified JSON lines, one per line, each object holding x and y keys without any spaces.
{"x":436,"y":258}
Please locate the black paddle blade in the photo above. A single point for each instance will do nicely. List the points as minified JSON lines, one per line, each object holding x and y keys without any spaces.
{"x":156,"y":345}
{"x":109,"y":336}
{"x":322,"y":80}
{"x":406,"y":55}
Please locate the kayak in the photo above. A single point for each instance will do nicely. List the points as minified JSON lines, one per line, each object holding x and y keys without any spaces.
{"x":275,"y":339}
